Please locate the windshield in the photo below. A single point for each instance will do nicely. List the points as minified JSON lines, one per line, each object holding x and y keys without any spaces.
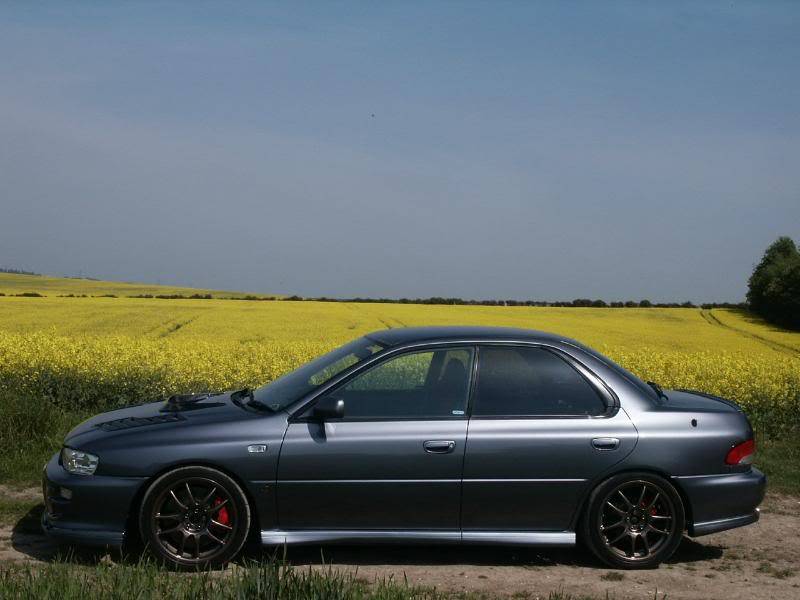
{"x":292,"y":386}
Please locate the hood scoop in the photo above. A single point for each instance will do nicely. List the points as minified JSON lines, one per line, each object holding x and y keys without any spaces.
{"x":130,"y":422}
{"x":181,"y":402}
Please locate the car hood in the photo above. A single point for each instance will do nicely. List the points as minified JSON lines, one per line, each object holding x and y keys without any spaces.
{"x":180,"y":411}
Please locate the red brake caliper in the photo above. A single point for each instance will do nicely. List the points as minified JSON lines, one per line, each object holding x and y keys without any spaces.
{"x":222,"y":515}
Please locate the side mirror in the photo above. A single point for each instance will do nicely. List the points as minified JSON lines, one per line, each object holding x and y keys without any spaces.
{"x":328,"y":407}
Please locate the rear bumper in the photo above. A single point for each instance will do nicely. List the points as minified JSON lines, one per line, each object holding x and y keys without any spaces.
{"x":720,"y":502}
{"x":89,"y":510}
{"x":698,"y":529}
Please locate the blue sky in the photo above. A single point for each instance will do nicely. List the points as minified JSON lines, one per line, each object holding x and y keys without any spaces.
{"x":482,"y":150}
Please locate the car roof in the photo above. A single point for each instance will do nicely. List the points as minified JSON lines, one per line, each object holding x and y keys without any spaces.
{"x":407,"y":335}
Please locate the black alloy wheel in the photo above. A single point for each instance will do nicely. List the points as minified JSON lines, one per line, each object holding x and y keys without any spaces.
{"x":195,"y":517}
{"x":634,"y":521}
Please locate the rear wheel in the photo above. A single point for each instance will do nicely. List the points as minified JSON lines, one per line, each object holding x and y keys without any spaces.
{"x":634,"y":521}
{"x":195,"y":517}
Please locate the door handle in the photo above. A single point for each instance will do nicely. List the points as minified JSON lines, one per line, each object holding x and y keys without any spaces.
{"x":605,"y":443}
{"x":439,"y":446}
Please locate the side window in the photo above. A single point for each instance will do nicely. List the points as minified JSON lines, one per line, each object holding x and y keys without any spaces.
{"x":524,"y":381}
{"x":417,"y":385}
{"x":404,"y":373}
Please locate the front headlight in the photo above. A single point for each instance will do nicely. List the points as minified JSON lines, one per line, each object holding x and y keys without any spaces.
{"x":77,"y":462}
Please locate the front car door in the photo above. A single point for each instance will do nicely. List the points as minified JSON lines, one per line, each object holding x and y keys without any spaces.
{"x":394,"y":461}
{"x":542,"y":427}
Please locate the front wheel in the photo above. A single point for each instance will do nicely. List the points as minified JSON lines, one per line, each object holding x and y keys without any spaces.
{"x":634,"y":521}
{"x":195,"y":517}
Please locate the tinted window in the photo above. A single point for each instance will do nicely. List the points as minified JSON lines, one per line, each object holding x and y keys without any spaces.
{"x":517,"y":381}
{"x":432,"y":384}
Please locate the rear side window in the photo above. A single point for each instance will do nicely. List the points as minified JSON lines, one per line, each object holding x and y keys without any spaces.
{"x":530,"y":382}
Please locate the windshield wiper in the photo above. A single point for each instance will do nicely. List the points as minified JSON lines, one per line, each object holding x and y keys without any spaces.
{"x":251,"y":402}
{"x":657,"y":389}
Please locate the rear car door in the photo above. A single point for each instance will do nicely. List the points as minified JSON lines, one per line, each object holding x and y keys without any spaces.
{"x":542,"y":427}
{"x":394,"y":460}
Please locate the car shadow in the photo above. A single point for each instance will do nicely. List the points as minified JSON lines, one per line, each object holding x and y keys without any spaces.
{"x":691,"y":551}
{"x":406,"y":554}
{"x":29,"y":541}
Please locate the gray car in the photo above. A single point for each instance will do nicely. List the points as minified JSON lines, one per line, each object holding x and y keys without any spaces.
{"x":447,"y":435}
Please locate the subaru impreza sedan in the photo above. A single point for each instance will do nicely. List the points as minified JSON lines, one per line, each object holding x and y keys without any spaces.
{"x":431,"y":435}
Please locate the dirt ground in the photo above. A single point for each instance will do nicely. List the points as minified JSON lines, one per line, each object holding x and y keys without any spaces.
{"x":759,"y":561}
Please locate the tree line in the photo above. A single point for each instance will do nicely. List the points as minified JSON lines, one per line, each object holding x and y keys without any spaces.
{"x":577,"y":303}
{"x":17,"y":271}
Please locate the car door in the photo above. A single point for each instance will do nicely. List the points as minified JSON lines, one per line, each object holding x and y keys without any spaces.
{"x":541,"y":428}
{"x":393,"y":461}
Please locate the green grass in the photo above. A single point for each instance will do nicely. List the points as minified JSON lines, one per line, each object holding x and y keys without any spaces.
{"x":780,"y":460}
{"x":22,"y":514}
{"x":274,"y":580}
{"x":776,"y":572}
{"x":67,"y":581}
{"x":32,"y":430}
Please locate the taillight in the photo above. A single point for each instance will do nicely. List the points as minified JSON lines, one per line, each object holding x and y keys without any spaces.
{"x":741,"y":454}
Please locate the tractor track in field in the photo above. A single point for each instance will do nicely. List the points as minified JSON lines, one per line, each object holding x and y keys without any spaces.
{"x":712,"y":320}
{"x":385,"y":323}
{"x":175,"y":326}
{"x":154,"y":329}
{"x":357,"y":316}
{"x":371,"y":313}
{"x":383,"y":320}
{"x":758,"y":561}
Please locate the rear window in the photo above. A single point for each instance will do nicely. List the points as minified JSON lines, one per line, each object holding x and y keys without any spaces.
{"x":529,"y":382}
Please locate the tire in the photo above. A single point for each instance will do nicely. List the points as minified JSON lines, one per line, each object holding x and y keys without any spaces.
{"x":194,"y":518}
{"x":633,"y":521}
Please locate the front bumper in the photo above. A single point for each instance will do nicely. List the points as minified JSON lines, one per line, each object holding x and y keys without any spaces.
{"x":90,"y":510}
{"x":720,"y":502}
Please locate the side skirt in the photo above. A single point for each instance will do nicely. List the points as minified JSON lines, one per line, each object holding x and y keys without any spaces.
{"x":277,"y":537}
{"x":520,"y":538}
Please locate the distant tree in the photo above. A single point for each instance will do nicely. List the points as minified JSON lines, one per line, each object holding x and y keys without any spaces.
{"x":645,"y":304}
{"x":16,"y":271}
{"x":774,"y":287}
{"x":581,"y":302}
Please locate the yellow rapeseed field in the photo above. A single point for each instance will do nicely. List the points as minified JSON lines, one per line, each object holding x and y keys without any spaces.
{"x":100,"y":352}
{"x":11,"y":284}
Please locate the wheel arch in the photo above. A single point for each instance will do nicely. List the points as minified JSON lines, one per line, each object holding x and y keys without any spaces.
{"x":132,"y":521}
{"x":580,"y":511}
